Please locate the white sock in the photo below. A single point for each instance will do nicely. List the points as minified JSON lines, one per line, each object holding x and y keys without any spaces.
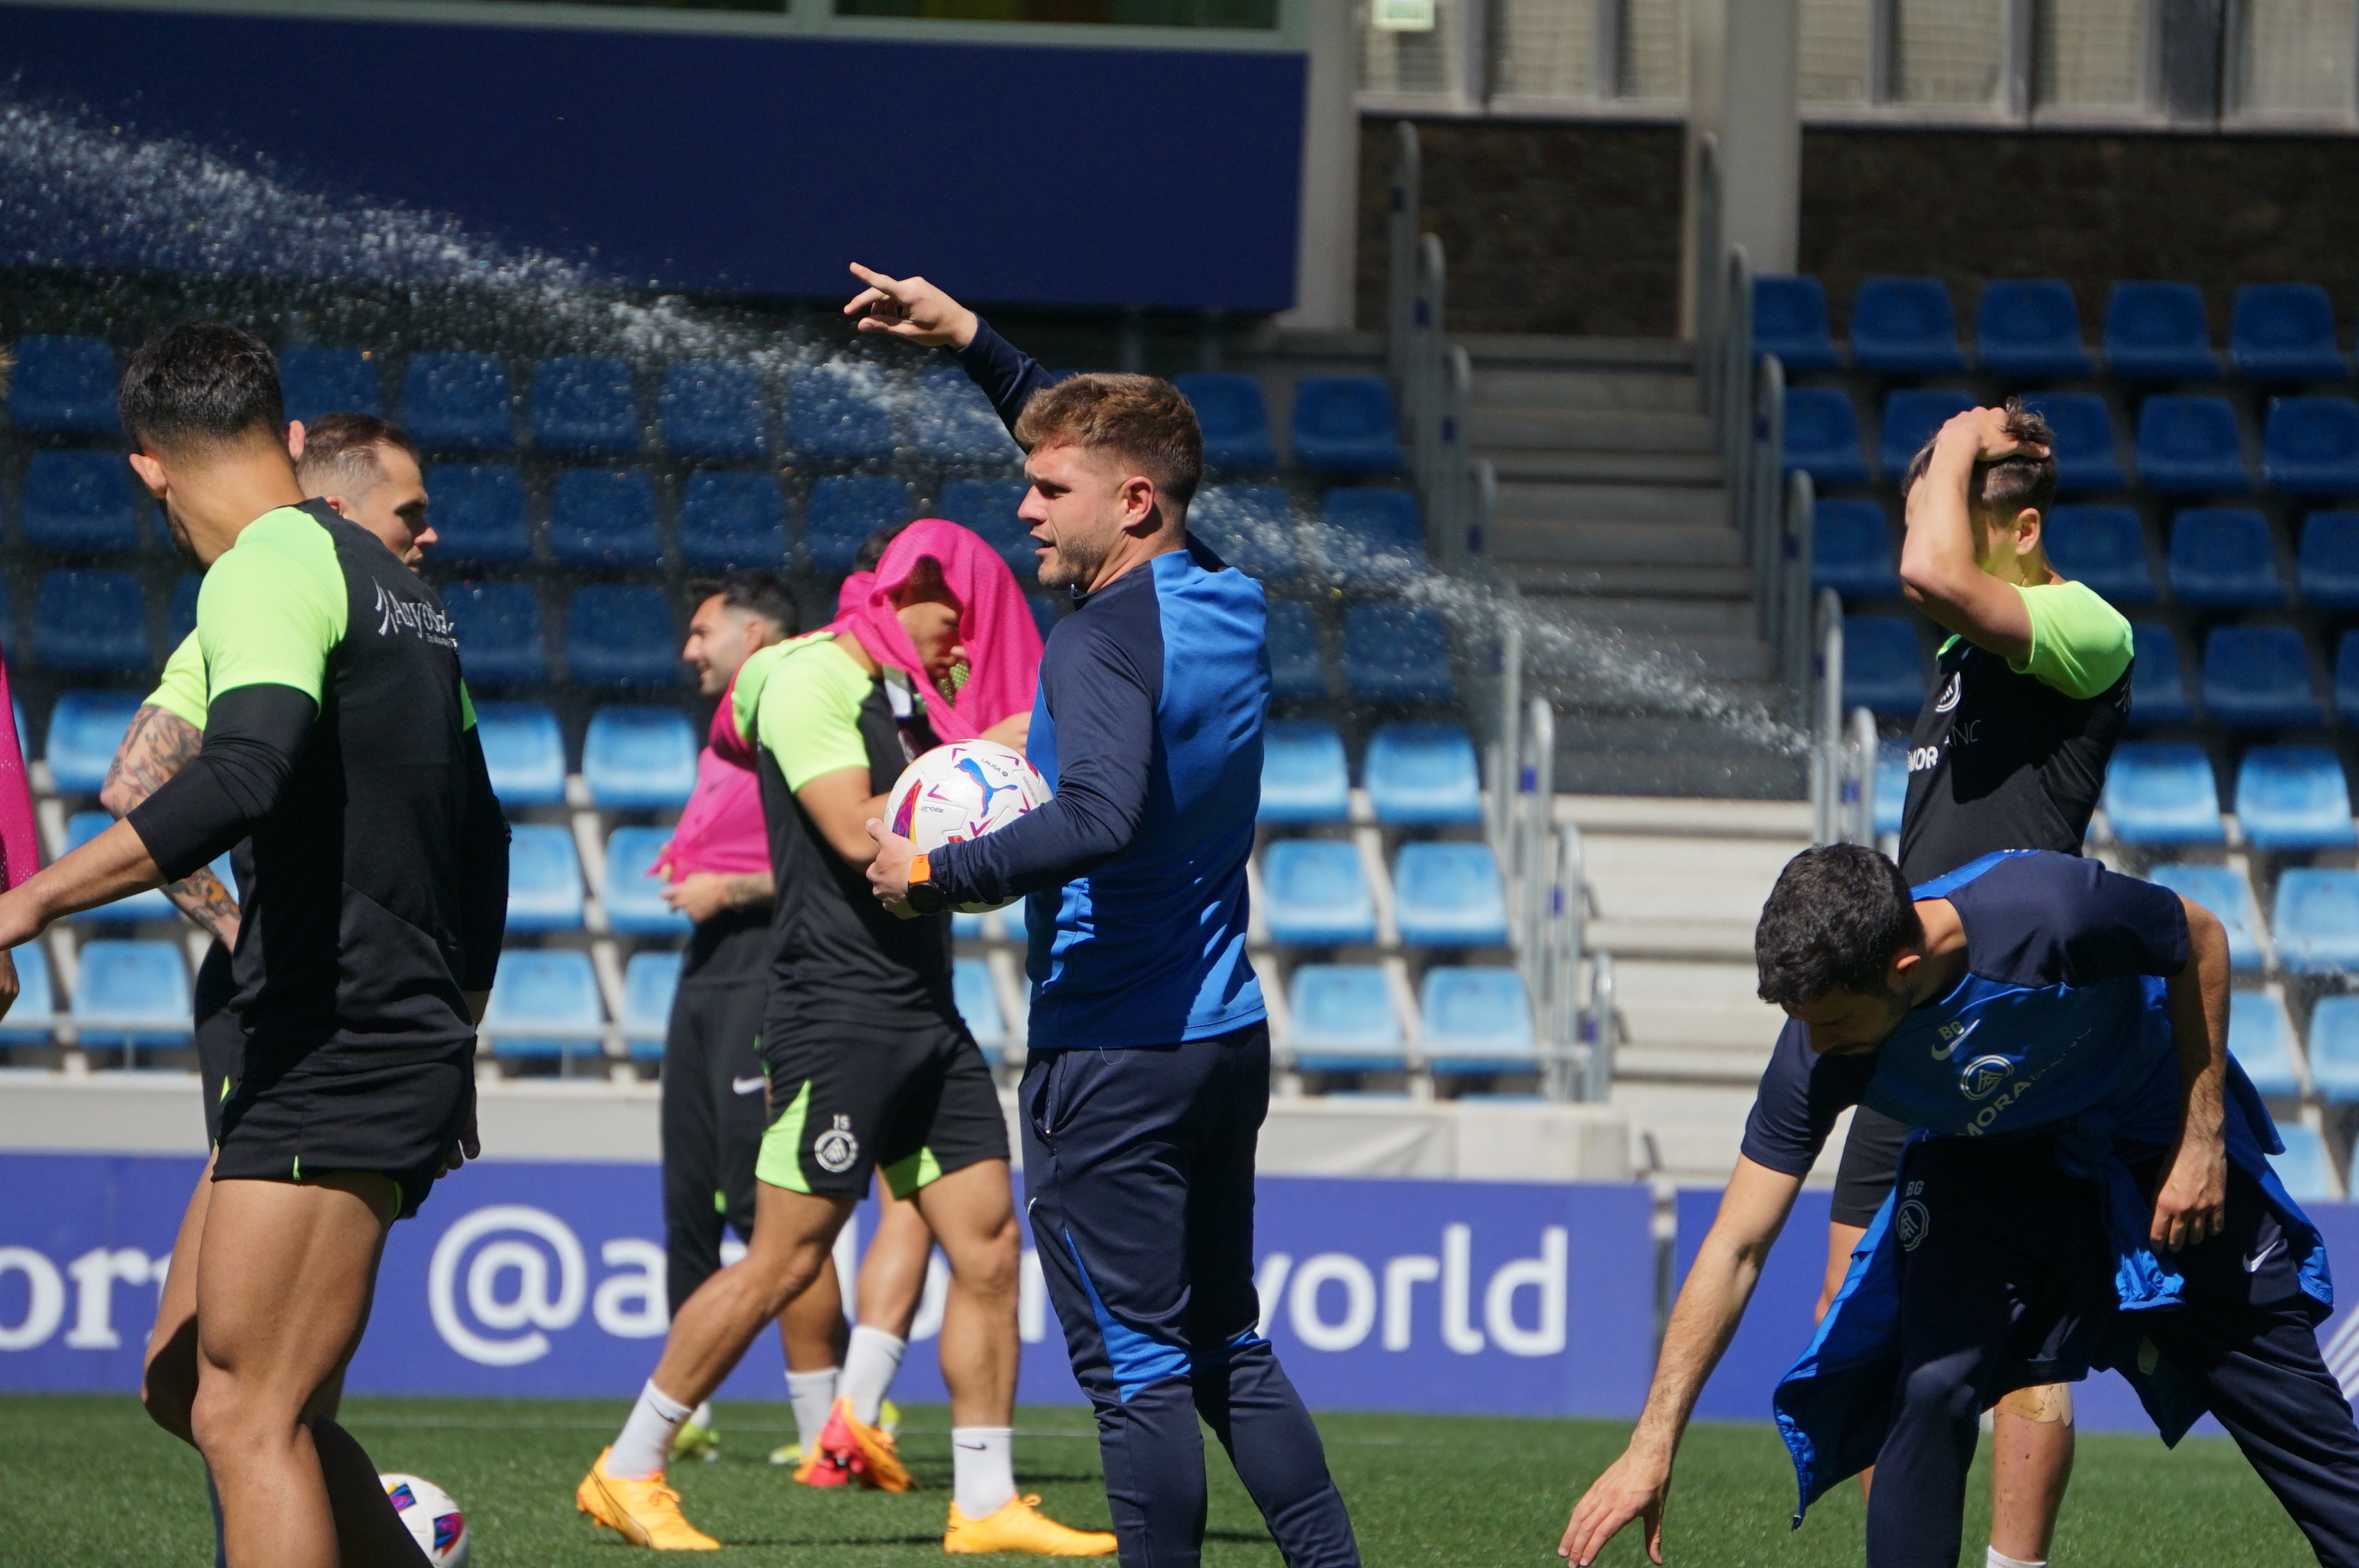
{"x":703,"y":1416}
{"x":869,"y":1363}
{"x":983,"y":1459}
{"x":813,"y":1395}
{"x":645,"y":1443}
{"x":1994,"y":1558}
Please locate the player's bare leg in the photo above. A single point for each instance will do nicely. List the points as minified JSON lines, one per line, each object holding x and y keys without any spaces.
{"x":2031,"y":1463}
{"x":168,"y":1383}
{"x":893,"y":1271}
{"x":810,"y":1331}
{"x":792,"y":1233}
{"x":971,"y":1213}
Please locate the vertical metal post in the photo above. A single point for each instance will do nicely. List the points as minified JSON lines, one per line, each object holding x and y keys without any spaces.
{"x":1794,"y":633}
{"x":1862,"y":789}
{"x":1828,"y":726}
{"x":1709,"y":317}
{"x":1506,"y":755}
{"x":1569,"y":907}
{"x":1601,"y":1031}
{"x":1425,"y":370}
{"x":1764,"y":497}
{"x":1401,"y":224}
{"x":1539,"y":802}
{"x":1445,"y":524}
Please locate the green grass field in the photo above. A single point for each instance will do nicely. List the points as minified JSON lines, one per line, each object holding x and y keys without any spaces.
{"x":85,"y":1480}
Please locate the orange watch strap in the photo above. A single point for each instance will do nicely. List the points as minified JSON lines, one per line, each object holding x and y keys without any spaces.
{"x":919,"y":871}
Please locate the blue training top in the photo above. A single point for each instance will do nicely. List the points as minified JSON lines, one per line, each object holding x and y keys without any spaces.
{"x":1147,"y":724}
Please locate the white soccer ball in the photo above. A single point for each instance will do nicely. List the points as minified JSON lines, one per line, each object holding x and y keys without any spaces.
{"x":963,"y":791}
{"x":434,"y":1521}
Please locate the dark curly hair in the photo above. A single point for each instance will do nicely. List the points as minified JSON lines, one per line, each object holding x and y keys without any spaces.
{"x":1837,"y":915}
{"x":200,"y":384}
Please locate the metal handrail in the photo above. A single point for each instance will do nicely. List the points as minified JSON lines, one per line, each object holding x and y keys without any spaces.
{"x":1709,"y":321}
{"x":1537,"y":794}
{"x":1825,"y":783}
{"x":1506,"y":760}
{"x":1764,"y":499}
{"x":1600,"y":1030}
{"x":1793,"y":639}
{"x":1859,"y":789}
{"x":1401,"y":224}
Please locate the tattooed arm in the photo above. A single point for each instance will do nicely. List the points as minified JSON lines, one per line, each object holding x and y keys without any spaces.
{"x":157,"y":745}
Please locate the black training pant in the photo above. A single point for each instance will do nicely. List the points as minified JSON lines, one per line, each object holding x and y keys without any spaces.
{"x":712,"y":1099}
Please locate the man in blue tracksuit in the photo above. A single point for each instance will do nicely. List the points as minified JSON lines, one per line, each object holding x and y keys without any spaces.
{"x":1147,"y":1074}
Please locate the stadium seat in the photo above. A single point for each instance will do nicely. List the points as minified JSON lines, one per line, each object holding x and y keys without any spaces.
{"x":1341,"y":1020}
{"x":2334,"y":1048}
{"x":1297,"y":673}
{"x":2223,"y":890}
{"x":1235,"y":417}
{"x":2316,"y":922}
{"x":1046,"y":609}
{"x":2346,"y":677}
{"x":2104,"y":548}
{"x":524,"y":751}
{"x":988,"y":507}
{"x":599,"y":517}
{"x":478,"y":514}
{"x":181,"y":618}
{"x":80,"y":828}
{"x":1397,"y":653}
{"x":36,"y":1000}
{"x":2162,"y":793}
{"x":1911,"y":419}
{"x":1343,"y":423}
{"x":2285,"y":332}
{"x":2304,"y":1168}
{"x":1304,"y":777}
{"x":1371,"y":536}
{"x":2328,"y":568}
{"x":1422,"y":776}
{"x":2029,"y":327}
{"x":1884,"y":670}
{"x":840,"y":413}
{"x":650,"y":981}
{"x":85,"y":727}
{"x":637,"y":758}
{"x":64,"y":386}
{"x":2157,"y":687}
{"x":131,"y":994}
{"x":1789,"y":319}
{"x":1250,"y":526}
{"x":313,"y":382}
{"x":632,"y":897}
{"x":1822,"y":436}
{"x":544,"y":879}
{"x":2261,"y":1039}
{"x":79,"y":500}
{"x":844,"y":510}
{"x":2087,"y":457}
{"x":457,"y":403}
{"x":499,"y":632}
{"x":618,"y":636}
{"x":978,"y":1003}
{"x":2223,"y":558}
{"x":730,"y":520}
{"x":2189,"y":445}
{"x":2293,"y":797}
{"x":953,"y":424}
{"x":2258,"y":677}
{"x":1315,"y":894}
{"x":1905,"y":326}
{"x":2311,"y":446}
{"x":1476,"y":1021}
{"x":2158,"y":331}
{"x":584,"y":406}
{"x":712,"y":408}
{"x":1891,"y":785}
{"x":1449,"y":895}
{"x":90,"y":622}
{"x":540,"y":989}
{"x":1851,"y":549}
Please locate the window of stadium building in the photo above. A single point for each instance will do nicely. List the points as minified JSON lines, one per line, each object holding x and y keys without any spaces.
{"x":2294,"y":59}
{"x":1121,"y":13}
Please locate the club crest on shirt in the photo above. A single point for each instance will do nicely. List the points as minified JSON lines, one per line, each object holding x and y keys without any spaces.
{"x":1980,"y":1077}
{"x":836,"y":1148}
{"x":1912,"y":1220}
{"x":1949,"y":698}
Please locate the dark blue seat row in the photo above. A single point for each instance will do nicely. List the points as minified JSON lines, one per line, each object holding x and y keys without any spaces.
{"x":614,"y":637}
{"x":1391,"y":654}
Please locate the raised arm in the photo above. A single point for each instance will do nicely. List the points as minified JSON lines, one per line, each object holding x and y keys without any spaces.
{"x":2190,"y":1206}
{"x":158,"y":743}
{"x":917,"y":312}
{"x":1939,"y":569}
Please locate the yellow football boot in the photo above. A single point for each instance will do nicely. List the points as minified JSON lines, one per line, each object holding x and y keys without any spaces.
{"x":1019,"y":1525}
{"x":645,"y":1513}
{"x":694,"y":1442}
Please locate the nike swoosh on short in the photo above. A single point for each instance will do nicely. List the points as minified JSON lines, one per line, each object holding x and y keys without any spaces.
{"x":746,"y":1086}
{"x":2253,"y":1264}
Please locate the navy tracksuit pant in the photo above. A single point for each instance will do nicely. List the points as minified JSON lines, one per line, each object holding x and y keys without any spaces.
{"x":1138,"y":1176}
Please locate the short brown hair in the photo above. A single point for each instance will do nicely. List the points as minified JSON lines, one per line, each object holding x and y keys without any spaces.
{"x":1140,"y":417}
{"x":2005,"y":485}
{"x":343,"y":446}
{"x":202,"y":384}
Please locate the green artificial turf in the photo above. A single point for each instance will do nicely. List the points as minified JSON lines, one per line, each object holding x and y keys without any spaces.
{"x":85,"y":1480}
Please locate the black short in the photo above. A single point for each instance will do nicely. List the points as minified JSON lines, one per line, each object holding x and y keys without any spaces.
{"x":338,"y":1108}
{"x":918,"y":1103}
{"x":1871,"y":1158}
{"x":221,"y":1038}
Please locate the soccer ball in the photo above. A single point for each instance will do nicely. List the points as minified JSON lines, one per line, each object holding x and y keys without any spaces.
{"x":434,"y":1521}
{"x":962,"y":791}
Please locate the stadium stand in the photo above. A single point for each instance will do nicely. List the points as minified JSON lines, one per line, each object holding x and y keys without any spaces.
{"x":1235,"y":417}
{"x":2285,"y":332}
{"x":1370,"y":537}
{"x":649,"y":982}
{"x":1343,"y":1019}
{"x":181,"y":618}
{"x":2190,"y":446}
{"x":988,"y":507}
{"x":2222,"y":557}
{"x":544,"y":988}
{"x":584,"y":406}
{"x":2261,"y":1039}
{"x":2305,"y":1167}
{"x":1315,"y":894}
{"x":1422,"y":776}
{"x":729,"y":520}
{"x":131,"y":996}
{"x":2258,"y":677}
{"x":1475,"y":1020}
{"x":2311,"y":446}
{"x":1250,"y":526}
{"x":844,"y":510}
{"x":2104,"y":546}
{"x":1343,"y":423}
{"x":599,"y":517}
{"x":1822,"y":436}
{"x":1891,"y":785}
{"x":2162,"y":793}
{"x":953,"y":423}
{"x":523,"y":752}
{"x":1789,"y":319}
{"x":1851,"y":549}
{"x":1911,"y":419}
{"x":2158,"y":331}
{"x":1304,"y":776}
{"x":2315,"y":923}
{"x":2157,"y":688}
{"x":712,"y":408}
{"x":90,"y":622}
{"x":1397,"y":653}
{"x":2088,"y":457}
{"x":316,"y":381}
{"x":63,"y":386}
{"x":544,"y":879}
{"x":2029,"y":327}
{"x":2223,"y":890}
{"x":458,"y":403}
{"x":1298,"y":669}
{"x":620,"y":636}
{"x":1449,"y":895}
{"x":838,"y":414}
{"x":36,"y":999}
{"x":500,"y":640}
{"x":2333,"y":1049}
{"x":631,"y":895}
{"x":78,"y":500}
{"x":1883,"y":669}
{"x":639,"y":758}
{"x":2327,"y":570}
{"x":2293,"y":797}
{"x":85,"y":727}
{"x":2346,"y":677}
{"x":1905,"y":326}
{"x":478,"y":512}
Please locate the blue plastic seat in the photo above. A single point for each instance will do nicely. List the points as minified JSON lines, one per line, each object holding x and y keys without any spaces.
{"x":2224,"y":891}
{"x":1371,"y":536}
{"x":2293,"y":797}
{"x":1250,"y":526}
{"x":2158,"y":331}
{"x":544,"y":988}
{"x":457,"y":403}
{"x":1883,"y":669}
{"x":1304,"y":777}
{"x":523,"y":752}
{"x":1315,"y":894}
{"x":2346,"y":677}
{"x":2285,"y":332}
{"x":1911,"y":419}
{"x":639,"y":758}
{"x":36,"y":1000}
{"x":844,"y":510}
{"x":1422,"y":776}
{"x":2261,"y":1039}
{"x":2304,"y":1168}
{"x":544,"y":879}
{"x":978,"y":1000}
{"x":1048,"y":609}
{"x":2158,"y":684}
{"x":651,"y":981}
{"x":180,"y":619}
{"x":622,"y":636}
{"x":603,"y":518}
{"x":584,"y":406}
{"x":2328,"y":566}
{"x":79,"y":500}
{"x":478,"y":514}
{"x":1397,"y":653}
{"x":2104,"y":546}
{"x":64,"y":386}
{"x":633,"y":898}
{"x":1235,"y":417}
{"x":988,"y":507}
{"x":2316,"y":920}
{"x":729,"y":520}
{"x":1891,"y":785}
{"x":80,"y":828}
{"x":1343,"y":423}
{"x":2087,"y":457}
{"x":500,"y":639}
{"x":1851,"y":549}
{"x":2162,"y":793}
{"x":1297,"y":673}
{"x":2311,"y":446}
{"x":85,"y":729}
{"x":840,"y":413}
{"x":2258,"y":677}
{"x":131,"y":994}
{"x":1476,"y":1021}
{"x":1822,"y":436}
{"x":952,"y":423}
{"x":1342,"y":1019}
{"x":1789,"y":319}
{"x":1449,"y":895}
{"x":1905,"y":326}
{"x":315,"y":381}
{"x":2222,"y":557}
{"x":712,"y":408}
{"x":90,"y":622}
{"x":2030,"y":326}
{"x":2189,"y":445}
{"x":2334,"y":1048}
